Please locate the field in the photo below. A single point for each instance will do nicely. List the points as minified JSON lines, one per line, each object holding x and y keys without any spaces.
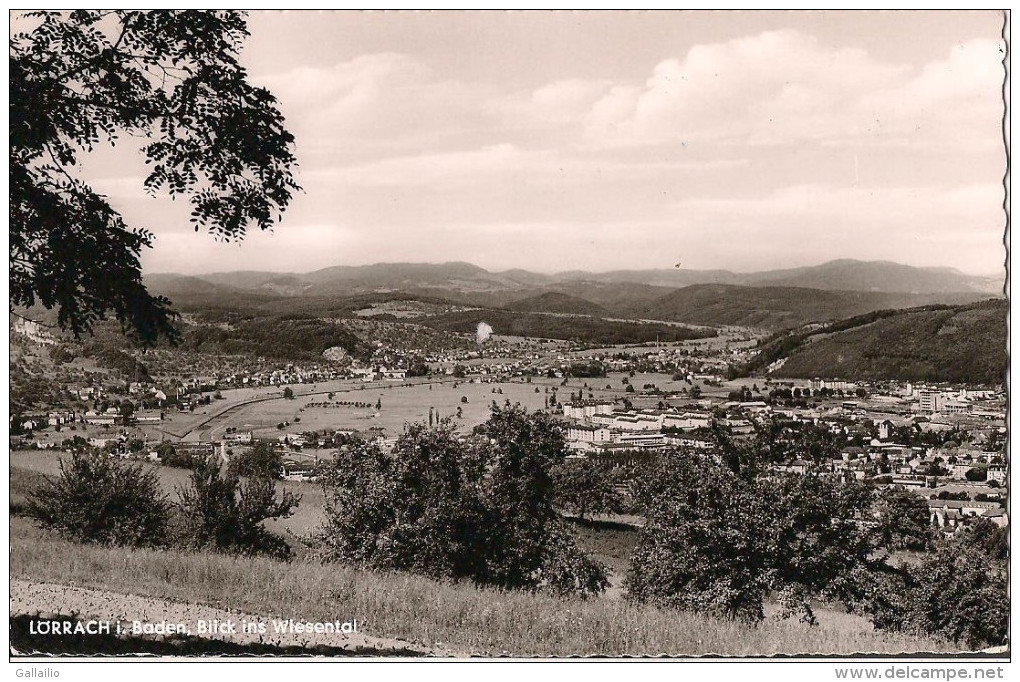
{"x":460,"y":618}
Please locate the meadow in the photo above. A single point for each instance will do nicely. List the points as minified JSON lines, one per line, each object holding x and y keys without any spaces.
{"x":461,"y":618}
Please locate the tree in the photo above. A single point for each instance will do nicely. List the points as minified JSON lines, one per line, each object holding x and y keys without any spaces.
{"x":956,"y":593}
{"x":976,"y":474}
{"x":720,"y":537}
{"x":439,"y":507}
{"x":102,"y":500}
{"x":262,"y":459}
{"x":903,"y":520}
{"x":127,"y":409}
{"x":172,"y":80}
{"x":225,"y":513}
{"x":585,"y":487}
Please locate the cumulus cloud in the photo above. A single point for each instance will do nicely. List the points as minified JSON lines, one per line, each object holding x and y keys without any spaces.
{"x":785,"y":86}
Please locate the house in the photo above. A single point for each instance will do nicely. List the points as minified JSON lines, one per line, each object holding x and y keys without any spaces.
{"x":997,"y":516}
{"x":997,"y":473}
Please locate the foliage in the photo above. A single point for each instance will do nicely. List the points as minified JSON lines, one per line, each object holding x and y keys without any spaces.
{"x":171,"y":457}
{"x":720,"y":537}
{"x":987,"y":538}
{"x":585,"y":487}
{"x":976,"y":474}
{"x":169,"y":78}
{"x":903,"y":520}
{"x":223,"y":512}
{"x":589,"y":329}
{"x":261,"y":459}
{"x":442,"y":508}
{"x":99,"y":499}
{"x":956,"y":592}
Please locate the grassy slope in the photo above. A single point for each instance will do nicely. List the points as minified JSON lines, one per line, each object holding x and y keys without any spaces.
{"x":960,"y":344}
{"x":462,"y":617}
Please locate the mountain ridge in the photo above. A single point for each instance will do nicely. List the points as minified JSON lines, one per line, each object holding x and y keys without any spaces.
{"x":835,"y":275}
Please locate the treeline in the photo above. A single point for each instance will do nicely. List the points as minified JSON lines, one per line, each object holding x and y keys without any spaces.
{"x":569,"y":328}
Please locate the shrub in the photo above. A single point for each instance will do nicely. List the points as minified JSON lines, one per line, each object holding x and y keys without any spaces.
{"x":956,"y":593}
{"x":225,"y":513}
{"x":98,"y":499}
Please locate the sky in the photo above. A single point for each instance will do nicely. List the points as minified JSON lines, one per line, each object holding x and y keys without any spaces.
{"x":556,"y":141}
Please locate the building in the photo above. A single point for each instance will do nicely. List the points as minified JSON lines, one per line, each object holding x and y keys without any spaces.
{"x":929,"y":400}
{"x":587,"y":409}
{"x":583,"y":433}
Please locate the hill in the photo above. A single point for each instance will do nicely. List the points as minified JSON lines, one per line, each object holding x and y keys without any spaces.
{"x":555,"y":302}
{"x":465,"y":278}
{"x":884,"y":276}
{"x":958,"y":344}
{"x":776,"y":307}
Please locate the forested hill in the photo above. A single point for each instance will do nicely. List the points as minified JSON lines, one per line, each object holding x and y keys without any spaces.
{"x":965,"y":344}
{"x":779,"y":307}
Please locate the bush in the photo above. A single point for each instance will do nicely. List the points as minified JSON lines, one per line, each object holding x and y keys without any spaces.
{"x":720,"y":538}
{"x":98,"y":499}
{"x":441,"y":508}
{"x":224,"y":513}
{"x":956,"y":593}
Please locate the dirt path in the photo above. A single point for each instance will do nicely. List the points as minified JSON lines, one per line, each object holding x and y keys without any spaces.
{"x":32,"y":603}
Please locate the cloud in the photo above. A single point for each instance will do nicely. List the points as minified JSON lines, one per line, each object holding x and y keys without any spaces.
{"x":785,"y":87}
{"x":454,"y":170}
{"x":376,"y":102}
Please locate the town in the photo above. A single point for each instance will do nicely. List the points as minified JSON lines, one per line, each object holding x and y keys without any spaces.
{"x":944,"y":442}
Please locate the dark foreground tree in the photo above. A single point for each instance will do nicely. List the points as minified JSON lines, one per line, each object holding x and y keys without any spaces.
{"x":903,"y":520}
{"x":441,"y":508}
{"x":720,"y":539}
{"x":171,"y":79}
{"x":226,"y":513}
{"x":103,"y":500}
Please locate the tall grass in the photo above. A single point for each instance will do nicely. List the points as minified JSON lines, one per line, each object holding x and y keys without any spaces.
{"x":462,"y":618}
